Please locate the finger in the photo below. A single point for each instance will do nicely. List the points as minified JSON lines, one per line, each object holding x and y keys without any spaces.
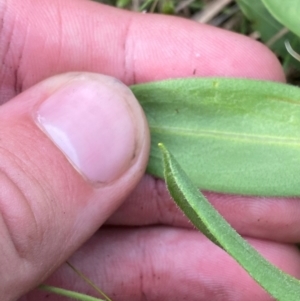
{"x":71,"y":149}
{"x":43,"y":38}
{"x":166,"y":264}
{"x":265,"y":218}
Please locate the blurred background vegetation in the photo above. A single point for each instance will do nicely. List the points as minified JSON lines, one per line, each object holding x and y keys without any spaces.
{"x":248,"y":17}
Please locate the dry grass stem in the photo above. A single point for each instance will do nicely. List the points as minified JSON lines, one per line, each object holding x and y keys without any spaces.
{"x":211,"y":10}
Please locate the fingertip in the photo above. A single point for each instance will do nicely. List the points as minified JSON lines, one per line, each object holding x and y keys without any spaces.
{"x":242,"y":57}
{"x":174,"y":47}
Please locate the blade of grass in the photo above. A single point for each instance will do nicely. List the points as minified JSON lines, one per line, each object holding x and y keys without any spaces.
{"x":67,"y":293}
{"x":291,"y":51}
{"x":145,"y":5}
{"x":88,"y":281}
{"x":205,"y":218}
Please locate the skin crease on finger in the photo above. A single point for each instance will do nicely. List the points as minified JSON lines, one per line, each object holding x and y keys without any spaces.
{"x":37,"y":41}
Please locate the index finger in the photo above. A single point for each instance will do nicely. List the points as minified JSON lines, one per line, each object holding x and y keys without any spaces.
{"x":42,"y":38}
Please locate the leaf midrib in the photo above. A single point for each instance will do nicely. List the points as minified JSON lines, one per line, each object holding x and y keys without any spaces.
{"x":250,"y":138}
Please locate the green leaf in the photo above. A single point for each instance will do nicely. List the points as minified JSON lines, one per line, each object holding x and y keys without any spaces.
{"x":262,"y":20}
{"x":286,"y":12}
{"x":205,"y":218}
{"x":232,"y":135}
{"x":272,"y":32}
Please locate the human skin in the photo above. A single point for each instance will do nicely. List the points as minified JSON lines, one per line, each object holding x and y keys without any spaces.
{"x":146,"y":250}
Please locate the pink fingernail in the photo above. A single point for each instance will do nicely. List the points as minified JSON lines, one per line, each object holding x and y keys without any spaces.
{"x":91,"y":123}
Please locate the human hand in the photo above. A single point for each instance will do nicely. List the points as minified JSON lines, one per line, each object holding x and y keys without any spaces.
{"x":161,"y":258}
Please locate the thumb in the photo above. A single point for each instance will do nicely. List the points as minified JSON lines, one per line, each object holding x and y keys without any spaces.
{"x":71,"y":149}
